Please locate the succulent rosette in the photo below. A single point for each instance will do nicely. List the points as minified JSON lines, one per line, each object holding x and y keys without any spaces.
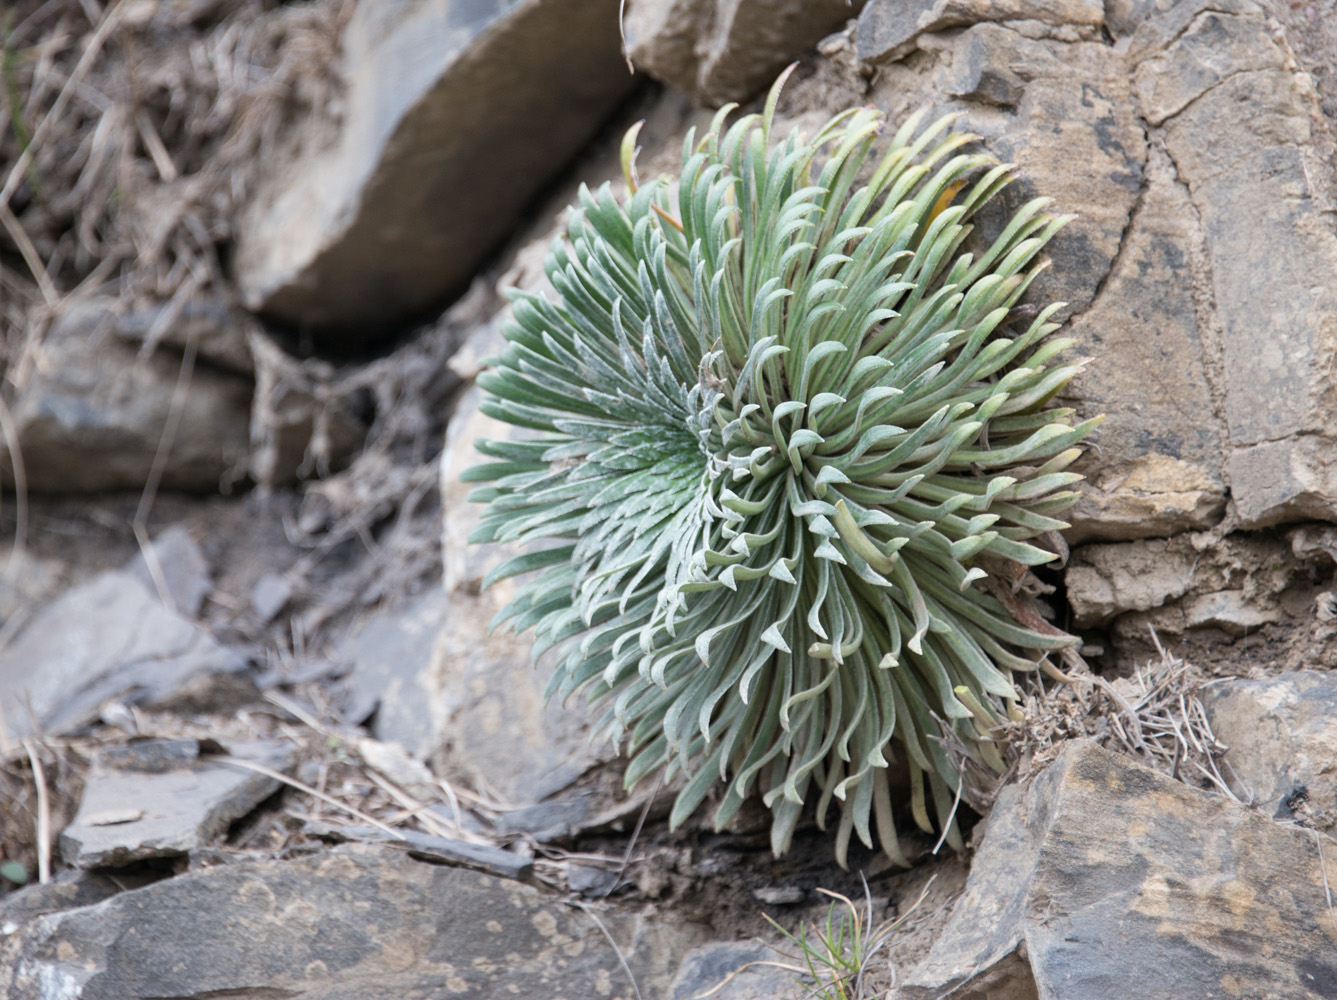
{"x":785,"y":440}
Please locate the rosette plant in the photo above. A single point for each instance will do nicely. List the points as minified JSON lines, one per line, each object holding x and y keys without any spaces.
{"x":784,"y":447}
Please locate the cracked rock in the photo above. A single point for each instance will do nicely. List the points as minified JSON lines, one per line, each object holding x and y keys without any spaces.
{"x":1101,"y":876}
{"x":90,"y":415}
{"x":720,"y":52}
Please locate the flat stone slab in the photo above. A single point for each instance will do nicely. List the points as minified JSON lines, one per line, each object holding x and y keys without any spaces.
{"x":482,"y":857}
{"x":358,"y":923}
{"x":108,"y":639}
{"x":1102,"y":879}
{"x":162,"y":798}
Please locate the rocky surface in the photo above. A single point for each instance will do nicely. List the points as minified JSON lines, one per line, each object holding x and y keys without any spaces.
{"x":734,"y":971}
{"x":441,"y":142}
{"x":163,"y":798}
{"x":1102,"y":873}
{"x":390,"y":661}
{"x":355,"y":922}
{"x":446,"y":825}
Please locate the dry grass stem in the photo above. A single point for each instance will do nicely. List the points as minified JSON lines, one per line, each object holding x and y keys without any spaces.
{"x":43,"y":814}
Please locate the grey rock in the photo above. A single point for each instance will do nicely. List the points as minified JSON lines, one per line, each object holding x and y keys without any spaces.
{"x":108,"y":639}
{"x":359,"y":923}
{"x":218,"y":331}
{"x":1101,"y":876}
{"x":727,"y":52}
{"x":779,"y":895}
{"x":442,"y":143}
{"x":589,"y":881}
{"x":1282,"y":734}
{"x":391,"y":658}
{"x":553,"y":819}
{"x":269,"y":596}
{"x":153,"y":756}
{"x":708,"y":966}
{"x":185,"y":572}
{"x":1160,"y":464}
{"x":480,"y":857}
{"x":90,"y":415}
{"x":489,"y":691}
{"x":164,"y":801}
{"x":69,"y":889}
{"x":980,"y":72}
{"x":889,"y":29}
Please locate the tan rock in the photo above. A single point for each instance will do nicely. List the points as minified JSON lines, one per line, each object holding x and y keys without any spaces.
{"x":1282,"y":734}
{"x":1101,"y":879}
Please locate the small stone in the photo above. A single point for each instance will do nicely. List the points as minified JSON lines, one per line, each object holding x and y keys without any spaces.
{"x":151,"y":756}
{"x":779,"y":895}
{"x":590,"y":881}
{"x":269,"y":596}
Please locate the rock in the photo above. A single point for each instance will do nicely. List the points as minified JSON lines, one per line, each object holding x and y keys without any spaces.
{"x":708,"y":966}
{"x":391,"y":659}
{"x":360,"y":922}
{"x":108,"y":639}
{"x":441,"y":146}
{"x":1100,"y":877}
{"x":90,"y":415}
{"x":269,"y":596}
{"x":219,"y":332}
{"x":1203,"y":75}
{"x":181,"y":566}
{"x":1161,"y":448}
{"x":490,"y":692}
{"x":727,"y":52}
{"x":1151,"y":496}
{"x":889,"y":29}
{"x":68,"y":889}
{"x":1207,"y":351}
{"x":1108,"y":580}
{"x":481,"y":857}
{"x":163,"y":799}
{"x":1282,"y":734}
